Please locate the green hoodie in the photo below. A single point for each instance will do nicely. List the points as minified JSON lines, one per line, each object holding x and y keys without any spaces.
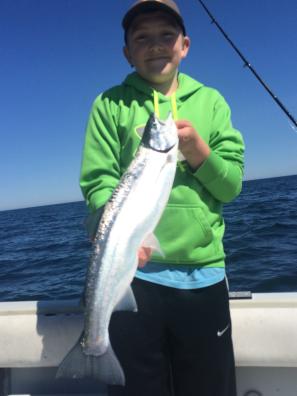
{"x":192,"y":227}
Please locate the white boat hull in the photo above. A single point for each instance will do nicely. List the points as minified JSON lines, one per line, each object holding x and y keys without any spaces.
{"x":35,"y":336}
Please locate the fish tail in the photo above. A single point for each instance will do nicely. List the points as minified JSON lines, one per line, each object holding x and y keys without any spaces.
{"x":104,"y":368}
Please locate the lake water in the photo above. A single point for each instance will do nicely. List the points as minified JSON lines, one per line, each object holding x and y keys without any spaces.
{"x":44,"y":251}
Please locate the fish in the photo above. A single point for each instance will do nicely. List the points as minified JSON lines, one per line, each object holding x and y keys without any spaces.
{"x":127,"y":223}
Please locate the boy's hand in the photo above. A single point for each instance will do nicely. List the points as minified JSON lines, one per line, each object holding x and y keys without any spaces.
{"x":144,"y":254}
{"x":192,"y":146}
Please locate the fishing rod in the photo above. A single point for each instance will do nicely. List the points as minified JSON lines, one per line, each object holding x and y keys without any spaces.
{"x":247,"y":64}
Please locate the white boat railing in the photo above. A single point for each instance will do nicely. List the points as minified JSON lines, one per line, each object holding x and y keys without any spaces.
{"x":39,"y":333}
{"x":36,"y":335}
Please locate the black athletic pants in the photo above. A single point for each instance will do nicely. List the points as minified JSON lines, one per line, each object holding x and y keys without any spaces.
{"x":177,"y":344}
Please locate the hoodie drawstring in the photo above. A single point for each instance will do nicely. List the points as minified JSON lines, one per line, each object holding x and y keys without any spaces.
{"x":175,"y":117}
{"x":173,"y":105}
{"x":156,"y":104}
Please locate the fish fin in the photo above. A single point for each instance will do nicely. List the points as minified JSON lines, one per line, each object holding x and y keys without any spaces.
{"x":152,"y":242}
{"x":104,"y":368}
{"x":127,"y":302}
{"x":180,"y":156}
{"x":92,"y":221}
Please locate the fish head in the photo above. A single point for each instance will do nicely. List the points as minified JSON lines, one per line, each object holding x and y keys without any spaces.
{"x":160,"y":135}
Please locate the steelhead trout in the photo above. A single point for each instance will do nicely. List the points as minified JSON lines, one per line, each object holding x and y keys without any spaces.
{"x":128,"y":221}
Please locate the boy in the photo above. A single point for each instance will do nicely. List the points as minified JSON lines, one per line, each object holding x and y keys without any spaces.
{"x":179,"y":342}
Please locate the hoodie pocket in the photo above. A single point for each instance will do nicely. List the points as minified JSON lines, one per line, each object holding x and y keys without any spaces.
{"x":185,"y":234}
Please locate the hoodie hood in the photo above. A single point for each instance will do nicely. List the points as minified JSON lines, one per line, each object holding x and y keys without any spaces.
{"x":187,"y":86}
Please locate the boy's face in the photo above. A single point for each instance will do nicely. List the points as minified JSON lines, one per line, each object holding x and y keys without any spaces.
{"x":156,"y":46}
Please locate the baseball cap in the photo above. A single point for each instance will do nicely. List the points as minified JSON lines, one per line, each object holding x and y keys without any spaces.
{"x":142,"y":6}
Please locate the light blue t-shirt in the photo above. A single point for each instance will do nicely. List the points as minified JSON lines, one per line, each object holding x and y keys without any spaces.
{"x":180,"y":276}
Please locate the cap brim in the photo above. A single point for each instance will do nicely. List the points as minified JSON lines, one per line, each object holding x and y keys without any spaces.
{"x":148,"y":6}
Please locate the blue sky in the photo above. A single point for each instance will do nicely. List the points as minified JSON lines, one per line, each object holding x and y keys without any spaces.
{"x":58,"y":55}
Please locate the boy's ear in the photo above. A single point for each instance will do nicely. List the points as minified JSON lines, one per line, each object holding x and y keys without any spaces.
{"x":186,"y":46}
{"x":127,"y":55}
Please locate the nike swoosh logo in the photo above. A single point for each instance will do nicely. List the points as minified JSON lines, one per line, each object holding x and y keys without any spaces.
{"x":220,"y":333}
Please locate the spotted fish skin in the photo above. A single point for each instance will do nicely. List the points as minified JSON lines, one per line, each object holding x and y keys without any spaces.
{"x":128,"y":222}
